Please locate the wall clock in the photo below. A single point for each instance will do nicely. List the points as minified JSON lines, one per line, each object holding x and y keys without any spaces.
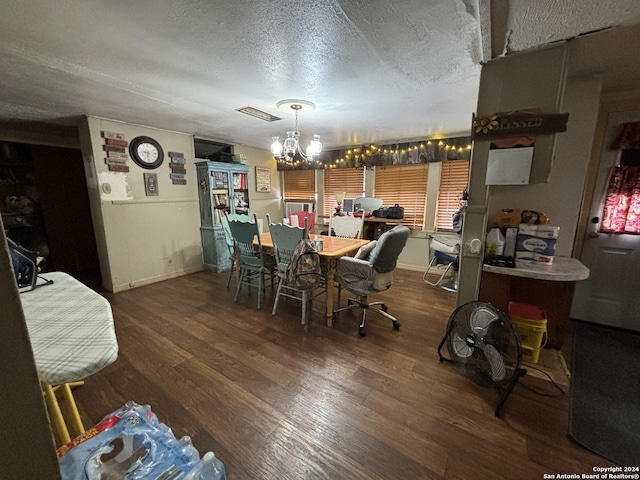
{"x":146,"y":152}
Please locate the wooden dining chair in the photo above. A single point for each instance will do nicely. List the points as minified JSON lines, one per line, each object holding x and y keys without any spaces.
{"x":254,"y":263}
{"x":285,"y":239}
{"x":347,"y":226}
{"x":301,"y":216}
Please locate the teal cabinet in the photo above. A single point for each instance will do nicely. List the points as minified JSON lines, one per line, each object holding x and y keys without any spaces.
{"x":222,"y":187}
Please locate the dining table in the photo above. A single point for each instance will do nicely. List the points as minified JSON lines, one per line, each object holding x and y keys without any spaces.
{"x":72,"y":336}
{"x":333,"y":248}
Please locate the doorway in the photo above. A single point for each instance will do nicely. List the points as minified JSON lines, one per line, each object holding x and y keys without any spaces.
{"x":609,"y":296}
{"x":49,"y":184}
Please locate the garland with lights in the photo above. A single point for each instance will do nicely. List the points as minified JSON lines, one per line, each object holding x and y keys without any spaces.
{"x":369,"y":156}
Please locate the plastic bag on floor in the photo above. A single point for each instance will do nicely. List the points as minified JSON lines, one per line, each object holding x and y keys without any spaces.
{"x":130,"y":444}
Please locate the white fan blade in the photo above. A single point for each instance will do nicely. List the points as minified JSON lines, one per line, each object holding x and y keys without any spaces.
{"x":498,"y":371}
{"x":460,"y":346}
{"x":481,"y":318}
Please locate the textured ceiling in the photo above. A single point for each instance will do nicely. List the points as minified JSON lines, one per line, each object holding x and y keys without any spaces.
{"x":377,"y":70}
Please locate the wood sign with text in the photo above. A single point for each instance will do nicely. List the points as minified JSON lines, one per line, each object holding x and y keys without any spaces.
{"x":178,"y":168}
{"x":517,"y":124}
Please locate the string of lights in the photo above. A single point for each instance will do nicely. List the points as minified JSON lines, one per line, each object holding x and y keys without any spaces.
{"x":369,"y":156}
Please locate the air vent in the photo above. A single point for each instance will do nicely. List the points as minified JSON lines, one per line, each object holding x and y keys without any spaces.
{"x":254,"y":112}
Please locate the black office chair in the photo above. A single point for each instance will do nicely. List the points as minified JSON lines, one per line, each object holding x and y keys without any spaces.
{"x":370,"y":272}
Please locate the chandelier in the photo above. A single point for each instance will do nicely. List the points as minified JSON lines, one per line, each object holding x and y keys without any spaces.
{"x":291,"y":146}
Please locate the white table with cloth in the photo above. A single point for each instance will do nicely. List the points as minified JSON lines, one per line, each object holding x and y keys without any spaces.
{"x":72,"y":336}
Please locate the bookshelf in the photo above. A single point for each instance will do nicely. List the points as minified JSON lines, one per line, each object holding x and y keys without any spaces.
{"x":222,"y":187}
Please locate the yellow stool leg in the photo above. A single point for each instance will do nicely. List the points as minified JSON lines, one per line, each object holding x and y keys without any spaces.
{"x":55,"y":414}
{"x":75,"y":420}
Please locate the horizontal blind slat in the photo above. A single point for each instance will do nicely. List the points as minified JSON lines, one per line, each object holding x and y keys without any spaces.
{"x":405,"y":185}
{"x":299,"y":185}
{"x":454,"y":177}
{"x":348,"y":180}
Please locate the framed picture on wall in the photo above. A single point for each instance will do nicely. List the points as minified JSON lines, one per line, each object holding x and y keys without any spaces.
{"x":263,"y":180}
{"x":151,"y":184}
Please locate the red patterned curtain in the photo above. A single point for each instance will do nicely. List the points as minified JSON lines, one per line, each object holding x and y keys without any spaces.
{"x":621,"y":213}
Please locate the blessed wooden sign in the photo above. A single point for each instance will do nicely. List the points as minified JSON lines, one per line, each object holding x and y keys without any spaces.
{"x":517,"y":124}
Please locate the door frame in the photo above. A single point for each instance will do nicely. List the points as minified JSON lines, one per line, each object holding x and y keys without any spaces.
{"x":628,"y":103}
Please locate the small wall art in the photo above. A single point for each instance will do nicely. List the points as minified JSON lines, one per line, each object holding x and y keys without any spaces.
{"x":263,"y":180}
{"x":151,"y":184}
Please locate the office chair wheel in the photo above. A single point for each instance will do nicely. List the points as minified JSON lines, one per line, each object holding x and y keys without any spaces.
{"x":396,"y":325}
{"x":362,"y":331}
{"x":384,"y":308}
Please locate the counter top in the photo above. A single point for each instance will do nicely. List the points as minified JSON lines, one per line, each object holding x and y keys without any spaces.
{"x":563,"y":269}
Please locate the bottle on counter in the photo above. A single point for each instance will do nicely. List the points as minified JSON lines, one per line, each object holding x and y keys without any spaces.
{"x":510,"y":242}
{"x":494,"y":245}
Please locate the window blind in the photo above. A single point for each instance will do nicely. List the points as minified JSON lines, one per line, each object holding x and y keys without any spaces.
{"x":454,"y":177}
{"x":405,"y":185}
{"x":348,"y":180}
{"x":300,"y":186}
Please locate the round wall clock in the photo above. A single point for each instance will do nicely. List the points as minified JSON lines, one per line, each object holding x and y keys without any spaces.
{"x":146,"y":152}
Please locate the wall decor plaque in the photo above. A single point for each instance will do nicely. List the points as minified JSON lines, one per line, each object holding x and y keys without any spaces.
{"x":263,"y":179}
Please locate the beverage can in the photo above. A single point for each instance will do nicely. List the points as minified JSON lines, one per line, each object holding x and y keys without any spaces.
{"x":318,"y":244}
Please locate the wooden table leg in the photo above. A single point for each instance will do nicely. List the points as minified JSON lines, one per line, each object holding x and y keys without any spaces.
{"x":331,"y":271}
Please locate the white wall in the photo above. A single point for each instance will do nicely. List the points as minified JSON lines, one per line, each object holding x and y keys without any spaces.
{"x":144,"y":239}
{"x":561,"y":197}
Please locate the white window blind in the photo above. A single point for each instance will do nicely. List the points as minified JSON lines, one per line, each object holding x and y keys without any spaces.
{"x":300,"y":186}
{"x":405,"y":185}
{"x":454,"y":177}
{"x":348,"y":180}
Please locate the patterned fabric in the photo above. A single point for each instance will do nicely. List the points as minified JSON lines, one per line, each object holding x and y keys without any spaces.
{"x":304,"y":271}
{"x":70,"y":328}
{"x":621,"y":212}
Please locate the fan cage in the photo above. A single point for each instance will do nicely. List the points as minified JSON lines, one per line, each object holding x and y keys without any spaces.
{"x":500,"y":333}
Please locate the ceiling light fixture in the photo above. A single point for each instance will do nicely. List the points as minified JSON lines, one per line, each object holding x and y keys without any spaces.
{"x":287,"y":150}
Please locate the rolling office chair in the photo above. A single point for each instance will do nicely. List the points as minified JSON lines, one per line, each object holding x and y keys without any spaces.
{"x":370,"y":272}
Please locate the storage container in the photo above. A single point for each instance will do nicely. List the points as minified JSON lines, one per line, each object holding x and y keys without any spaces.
{"x":530,"y":322}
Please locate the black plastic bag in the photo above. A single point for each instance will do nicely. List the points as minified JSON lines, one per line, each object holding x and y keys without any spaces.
{"x":395,"y":213}
{"x":380,"y":213}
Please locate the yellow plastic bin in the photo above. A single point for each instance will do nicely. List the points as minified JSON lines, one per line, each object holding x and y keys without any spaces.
{"x":530,"y":321}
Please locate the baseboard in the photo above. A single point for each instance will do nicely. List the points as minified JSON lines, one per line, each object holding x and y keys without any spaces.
{"x":413,"y":268}
{"x":158,"y":278}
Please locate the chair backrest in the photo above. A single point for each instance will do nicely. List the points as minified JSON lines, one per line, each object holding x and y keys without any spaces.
{"x":310,"y":216}
{"x":244,"y":233}
{"x":384,"y":256}
{"x":368,"y":204}
{"x":285,"y":239}
{"x":224,"y":220}
{"x":347,"y":226}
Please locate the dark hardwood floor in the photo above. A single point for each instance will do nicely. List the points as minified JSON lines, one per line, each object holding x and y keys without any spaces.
{"x":277,"y":400}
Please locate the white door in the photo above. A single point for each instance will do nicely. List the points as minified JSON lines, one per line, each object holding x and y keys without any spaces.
{"x":610,"y":295}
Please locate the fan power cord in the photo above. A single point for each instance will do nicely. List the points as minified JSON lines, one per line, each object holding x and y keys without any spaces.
{"x":561,"y":394}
